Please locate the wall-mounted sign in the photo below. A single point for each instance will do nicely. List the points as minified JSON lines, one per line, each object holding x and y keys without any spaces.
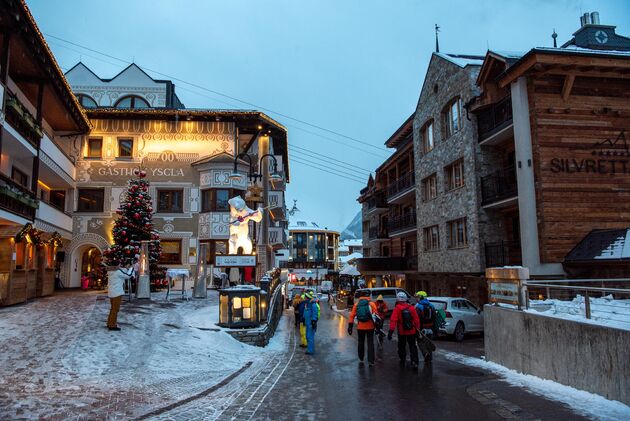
{"x":609,"y":156}
{"x":231,"y":260}
{"x":503,"y":292}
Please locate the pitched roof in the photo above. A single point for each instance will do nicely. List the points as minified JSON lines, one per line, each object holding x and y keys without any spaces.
{"x":602,"y":246}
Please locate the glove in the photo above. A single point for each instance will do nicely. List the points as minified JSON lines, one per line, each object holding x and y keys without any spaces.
{"x":314,"y":324}
{"x":350,"y":329}
{"x":389,"y":335}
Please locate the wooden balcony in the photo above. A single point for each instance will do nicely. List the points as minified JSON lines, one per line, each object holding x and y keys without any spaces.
{"x":23,"y":121}
{"x":17,"y":199}
{"x":401,"y":187}
{"x":377,"y":233}
{"x":377,"y":201}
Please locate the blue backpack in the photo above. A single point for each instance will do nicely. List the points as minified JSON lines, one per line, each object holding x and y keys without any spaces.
{"x":364,"y":313}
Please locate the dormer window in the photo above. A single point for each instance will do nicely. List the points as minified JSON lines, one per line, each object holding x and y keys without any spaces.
{"x":86,"y":101}
{"x":132,"y":101}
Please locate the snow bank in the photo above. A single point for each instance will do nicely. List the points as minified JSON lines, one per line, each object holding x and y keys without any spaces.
{"x":586,"y":403}
{"x":605,"y":311}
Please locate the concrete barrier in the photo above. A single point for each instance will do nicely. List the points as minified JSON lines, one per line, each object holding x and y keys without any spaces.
{"x":587,"y":357}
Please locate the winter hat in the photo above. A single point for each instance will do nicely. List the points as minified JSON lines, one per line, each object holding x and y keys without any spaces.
{"x":309,"y":294}
{"x":421,"y":294}
{"x":379,"y":298}
{"x":401,"y":297}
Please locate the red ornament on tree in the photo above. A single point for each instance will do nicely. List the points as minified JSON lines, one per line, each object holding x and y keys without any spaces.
{"x":136,"y":215}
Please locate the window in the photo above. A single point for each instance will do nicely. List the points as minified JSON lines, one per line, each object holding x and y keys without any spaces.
{"x":427,"y":137}
{"x":429,"y":187}
{"x":19,"y":177}
{"x":170,"y":201}
{"x":58,"y":199}
{"x":94,"y":147}
{"x":454,"y":175}
{"x":90,"y":200}
{"x":125,"y":147}
{"x":171,"y":252}
{"x":132,"y":101}
{"x":215,"y":248}
{"x":86,"y":101}
{"x":457,"y":235}
{"x":452,"y":117}
{"x":216,"y":199}
{"x":431,"y":238}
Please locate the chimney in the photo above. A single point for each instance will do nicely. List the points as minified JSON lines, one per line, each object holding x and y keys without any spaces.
{"x":595,"y":18}
{"x":587,"y":19}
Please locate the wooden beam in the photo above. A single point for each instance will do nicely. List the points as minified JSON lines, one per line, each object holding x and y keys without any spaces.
{"x":568,"y":85}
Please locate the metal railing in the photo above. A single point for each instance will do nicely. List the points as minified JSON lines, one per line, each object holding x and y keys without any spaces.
{"x":377,"y":201}
{"x":402,"y":222}
{"x":598,"y":302}
{"x":499,"y":185}
{"x":22,"y":120}
{"x":494,"y":118}
{"x":17,"y":199}
{"x":377,"y":232}
{"x":403,"y":183}
{"x":503,"y":253}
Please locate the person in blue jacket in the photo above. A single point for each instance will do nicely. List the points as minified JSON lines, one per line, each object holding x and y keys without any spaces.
{"x":311,"y":316}
{"x":300,"y":313}
{"x":425,"y":310}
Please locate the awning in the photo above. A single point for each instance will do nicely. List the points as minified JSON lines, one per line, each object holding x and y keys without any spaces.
{"x":350,"y":271}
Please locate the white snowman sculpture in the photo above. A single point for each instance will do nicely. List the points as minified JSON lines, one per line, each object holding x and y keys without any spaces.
{"x":240,"y":215}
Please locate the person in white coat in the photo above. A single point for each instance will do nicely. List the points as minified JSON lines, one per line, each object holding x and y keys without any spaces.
{"x":116,"y":276}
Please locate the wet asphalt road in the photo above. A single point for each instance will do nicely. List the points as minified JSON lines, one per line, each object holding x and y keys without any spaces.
{"x":332,"y":385}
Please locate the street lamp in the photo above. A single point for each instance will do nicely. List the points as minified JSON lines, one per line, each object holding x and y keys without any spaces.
{"x":251,"y":174}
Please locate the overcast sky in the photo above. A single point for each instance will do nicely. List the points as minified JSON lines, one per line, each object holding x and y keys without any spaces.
{"x":352,"y":67}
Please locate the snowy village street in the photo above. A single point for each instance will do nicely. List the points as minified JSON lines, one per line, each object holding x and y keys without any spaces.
{"x":175,"y":363}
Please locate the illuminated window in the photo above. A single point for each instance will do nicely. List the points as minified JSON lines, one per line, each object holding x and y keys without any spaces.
{"x":90,"y":200}
{"x":125,"y":147}
{"x":132,"y":101}
{"x":171,"y":252}
{"x":94,"y":147}
{"x":217,"y":199}
{"x":57,"y":199}
{"x":20,"y":249}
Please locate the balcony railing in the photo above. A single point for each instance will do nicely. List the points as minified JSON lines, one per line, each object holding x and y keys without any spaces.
{"x":403,"y":183}
{"x":402,"y":222}
{"x":503,"y":253}
{"x":412,"y":262}
{"x":377,"y":233}
{"x":494,"y":118}
{"x":498,"y":186}
{"x":377,"y":201}
{"x":22,"y":120}
{"x":16,"y":199}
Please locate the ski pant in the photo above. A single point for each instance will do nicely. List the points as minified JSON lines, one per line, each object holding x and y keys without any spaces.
{"x":369,"y":336}
{"x":403,"y":341}
{"x":112,"y":320}
{"x":302,"y":334}
{"x":310,"y":338}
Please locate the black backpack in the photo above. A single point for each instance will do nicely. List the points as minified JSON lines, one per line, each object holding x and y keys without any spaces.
{"x":407,"y":320}
{"x":427,"y":314}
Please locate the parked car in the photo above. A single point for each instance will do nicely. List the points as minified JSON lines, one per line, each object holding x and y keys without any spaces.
{"x":326,"y":287}
{"x":462,"y":316}
{"x":296,"y":291}
{"x":388,"y":293}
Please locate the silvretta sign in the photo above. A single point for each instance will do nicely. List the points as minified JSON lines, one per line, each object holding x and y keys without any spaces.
{"x":231,"y":260}
{"x":609,"y":157}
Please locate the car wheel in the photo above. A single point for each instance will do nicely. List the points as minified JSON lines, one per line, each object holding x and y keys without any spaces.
{"x":458,"y":334}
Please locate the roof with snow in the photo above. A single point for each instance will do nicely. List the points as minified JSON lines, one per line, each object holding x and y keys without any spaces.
{"x":462,"y":60}
{"x":308,"y":226}
{"x":602,"y":246}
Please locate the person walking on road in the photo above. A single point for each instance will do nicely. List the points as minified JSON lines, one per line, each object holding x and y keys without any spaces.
{"x":379,"y":321}
{"x":311,"y":317}
{"x":363,"y":310}
{"x":301,"y":306}
{"x":405,"y":319}
{"x":116,"y":276}
{"x":296,"y":310}
{"x":425,"y":310}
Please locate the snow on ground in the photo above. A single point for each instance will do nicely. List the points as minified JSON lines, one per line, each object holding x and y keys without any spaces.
{"x":605,"y":311}
{"x":589,"y":404}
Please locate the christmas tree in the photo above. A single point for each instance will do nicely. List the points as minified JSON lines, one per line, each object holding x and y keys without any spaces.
{"x":133,"y":225}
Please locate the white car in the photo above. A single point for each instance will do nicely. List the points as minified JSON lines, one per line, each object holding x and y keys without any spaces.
{"x":388,"y":293}
{"x":462,"y":316}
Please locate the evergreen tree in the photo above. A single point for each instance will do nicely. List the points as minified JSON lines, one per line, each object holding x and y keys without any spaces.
{"x":134,"y":224}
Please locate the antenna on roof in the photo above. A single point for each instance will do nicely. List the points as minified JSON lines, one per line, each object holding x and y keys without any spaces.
{"x":437,"y":43}
{"x":554,"y":36}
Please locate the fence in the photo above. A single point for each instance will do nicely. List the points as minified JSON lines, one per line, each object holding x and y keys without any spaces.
{"x":581,"y":297}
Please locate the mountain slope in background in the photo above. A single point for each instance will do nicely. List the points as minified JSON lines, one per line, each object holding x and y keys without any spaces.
{"x":353,"y":230}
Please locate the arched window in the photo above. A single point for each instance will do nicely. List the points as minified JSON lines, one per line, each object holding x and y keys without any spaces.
{"x":452,"y":118}
{"x":132,"y":101}
{"x":86,"y":101}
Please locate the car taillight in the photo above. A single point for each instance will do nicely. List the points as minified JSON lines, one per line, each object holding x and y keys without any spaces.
{"x":448,"y":314}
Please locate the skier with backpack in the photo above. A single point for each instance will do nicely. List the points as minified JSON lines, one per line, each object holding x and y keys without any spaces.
{"x":363,"y":310}
{"x":425,"y":310}
{"x":405,"y":319}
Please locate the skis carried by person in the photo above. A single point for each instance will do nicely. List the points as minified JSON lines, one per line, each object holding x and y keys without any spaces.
{"x":425,"y":345}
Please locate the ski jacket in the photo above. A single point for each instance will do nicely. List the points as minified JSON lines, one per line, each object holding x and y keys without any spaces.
{"x":369,"y":325}
{"x":420,"y":307}
{"x":311,"y":311}
{"x":300,"y":309}
{"x":116,"y":280}
{"x":381,"y":309}
{"x":396,"y":320}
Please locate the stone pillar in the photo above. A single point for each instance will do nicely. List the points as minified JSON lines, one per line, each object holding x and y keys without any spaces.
{"x":512,"y":279}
